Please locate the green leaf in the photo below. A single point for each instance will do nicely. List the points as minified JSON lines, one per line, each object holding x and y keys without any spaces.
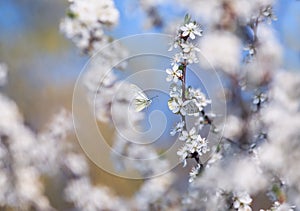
{"x":181,"y":67}
{"x":187,"y":18}
{"x":276,"y":190}
{"x":187,"y":91}
{"x":71,"y":14}
{"x":218,"y":148}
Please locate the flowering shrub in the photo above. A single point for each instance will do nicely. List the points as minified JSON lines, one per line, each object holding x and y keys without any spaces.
{"x":253,"y":164}
{"x":187,"y":101}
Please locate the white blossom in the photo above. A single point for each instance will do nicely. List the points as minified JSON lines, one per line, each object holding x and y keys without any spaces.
{"x":242,"y":202}
{"x":177,"y":105}
{"x":189,"y":47}
{"x":178,"y":57}
{"x":183,"y":153}
{"x":191,"y":29}
{"x":178,"y":128}
{"x":268,"y":14}
{"x":188,"y":135}
{"x":191,"y":57}
{"x":194,"y":172}
{"x":201,"y":100}
{"x":199,"y":145}
{"x":174,"y":74}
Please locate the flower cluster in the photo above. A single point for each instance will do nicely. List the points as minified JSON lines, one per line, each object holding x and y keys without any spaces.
{"x":277,"y":206}
{"x":194,"y":172}
{"x":254,"y":146}
{"x":86,"y":21}
{"x":242,"y":201}
{"x":110,"y":96}
{"x":21,"y":186}
{"x":187,"y":101}
{"x":226,"y":14}
{"x":267,"y":14}
{"x":195,"y":145}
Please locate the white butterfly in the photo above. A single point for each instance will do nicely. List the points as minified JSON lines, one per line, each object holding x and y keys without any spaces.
{"x":141,"y":101}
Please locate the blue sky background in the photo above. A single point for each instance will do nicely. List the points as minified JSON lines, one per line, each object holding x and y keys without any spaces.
{"x":19,"y":18}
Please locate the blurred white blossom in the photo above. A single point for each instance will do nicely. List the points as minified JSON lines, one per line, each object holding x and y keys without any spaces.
{"x":21,"y":186}
{"x":86,"y":21}
{"x":222,"y":50}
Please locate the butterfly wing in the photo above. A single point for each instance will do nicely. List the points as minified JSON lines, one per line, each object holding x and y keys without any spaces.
{"x":140,"y":104}
{"x":140,"y":101}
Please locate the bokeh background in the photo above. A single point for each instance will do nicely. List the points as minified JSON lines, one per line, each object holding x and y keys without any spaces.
{"x":44,"y":65}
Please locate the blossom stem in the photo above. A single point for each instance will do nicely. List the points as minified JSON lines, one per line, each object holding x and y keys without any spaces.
{"x":183,"y":80}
